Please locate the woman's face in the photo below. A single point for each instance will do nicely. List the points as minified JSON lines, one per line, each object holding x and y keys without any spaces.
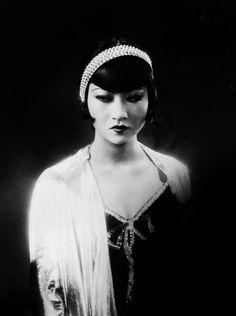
{"x":118,"y":116}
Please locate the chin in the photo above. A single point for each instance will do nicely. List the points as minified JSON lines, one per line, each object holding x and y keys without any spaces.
{"x":119,"y":141}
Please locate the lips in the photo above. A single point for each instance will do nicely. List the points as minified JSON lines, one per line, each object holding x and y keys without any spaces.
{"x":119,"y":128}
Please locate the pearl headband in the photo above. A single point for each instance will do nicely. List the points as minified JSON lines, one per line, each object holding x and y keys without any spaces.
{"x":103,"y":57}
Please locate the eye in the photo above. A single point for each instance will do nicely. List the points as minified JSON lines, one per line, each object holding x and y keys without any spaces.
{"x":104,"y":98}
{"x":134,"y":98}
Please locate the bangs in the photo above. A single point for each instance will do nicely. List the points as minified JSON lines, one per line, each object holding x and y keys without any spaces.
{"x":123,"y":74}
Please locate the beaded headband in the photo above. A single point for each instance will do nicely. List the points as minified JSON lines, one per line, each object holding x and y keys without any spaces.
{"x":105,"y":56}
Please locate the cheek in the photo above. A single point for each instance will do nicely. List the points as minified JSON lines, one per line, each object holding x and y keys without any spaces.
{"x":139,"y":113}
{"x":92,"y":107}
{"x":145,"y":109}
{"x":97,"y":111}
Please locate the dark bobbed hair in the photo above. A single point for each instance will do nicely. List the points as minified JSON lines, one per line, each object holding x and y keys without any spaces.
{"x":123,"y":74}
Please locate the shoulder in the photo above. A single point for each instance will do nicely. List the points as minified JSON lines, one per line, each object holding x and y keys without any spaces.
{"x":177,"y":173}
{"x":66,"y":169}
{"x":57,"y":179}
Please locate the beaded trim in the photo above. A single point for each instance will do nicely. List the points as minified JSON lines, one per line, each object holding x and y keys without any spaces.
{"x":127,"y":234}
{"x":105,"y":56}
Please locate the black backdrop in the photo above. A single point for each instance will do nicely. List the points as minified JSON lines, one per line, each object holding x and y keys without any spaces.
{"x":193,"y":45}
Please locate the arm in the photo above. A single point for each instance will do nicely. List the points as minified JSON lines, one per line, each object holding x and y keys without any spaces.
{"x":46,"y":292}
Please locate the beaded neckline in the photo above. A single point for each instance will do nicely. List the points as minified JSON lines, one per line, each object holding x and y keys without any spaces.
{"x":123,"y":235}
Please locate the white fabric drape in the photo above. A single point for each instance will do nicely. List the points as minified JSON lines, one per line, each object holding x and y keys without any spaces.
{"x":68,"y":237}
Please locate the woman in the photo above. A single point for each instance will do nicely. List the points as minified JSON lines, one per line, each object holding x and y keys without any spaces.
{"x":103,"y":222}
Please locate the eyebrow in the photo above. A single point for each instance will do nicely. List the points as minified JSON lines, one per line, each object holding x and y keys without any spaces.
{"x":134,"y":90}
{"x":137,"y":90}
{"x":96,"y":88}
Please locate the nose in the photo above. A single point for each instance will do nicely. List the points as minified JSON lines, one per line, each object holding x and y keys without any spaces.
{"x":119,"y":109}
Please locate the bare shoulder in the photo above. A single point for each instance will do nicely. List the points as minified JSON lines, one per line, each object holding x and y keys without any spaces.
{"x":177,"y":173}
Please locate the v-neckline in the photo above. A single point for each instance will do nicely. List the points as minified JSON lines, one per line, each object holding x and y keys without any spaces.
{"x":144,"y":207}
{"x":141,"y":210}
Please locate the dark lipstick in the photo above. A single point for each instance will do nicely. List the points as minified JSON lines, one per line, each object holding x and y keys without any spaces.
{"x":119,"y":128}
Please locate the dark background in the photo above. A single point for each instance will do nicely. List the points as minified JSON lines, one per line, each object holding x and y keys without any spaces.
{"x":193,"y":46}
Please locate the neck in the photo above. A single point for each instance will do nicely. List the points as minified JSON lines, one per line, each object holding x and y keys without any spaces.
{"x":108,"y":153}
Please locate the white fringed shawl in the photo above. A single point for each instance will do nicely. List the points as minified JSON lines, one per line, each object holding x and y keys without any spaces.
{"x":68,"y":237}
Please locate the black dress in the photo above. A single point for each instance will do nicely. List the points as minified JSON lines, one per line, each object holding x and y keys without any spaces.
{"x":143,"y":257}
